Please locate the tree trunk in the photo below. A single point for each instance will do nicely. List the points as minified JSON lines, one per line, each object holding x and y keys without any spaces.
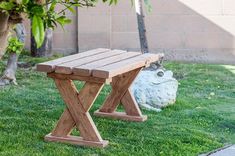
{"x":10,"y":71}
{"x":143,"y":36}
{"x":46,"y":49}
{"x":141,"y":26}
{"x":4,"y":31}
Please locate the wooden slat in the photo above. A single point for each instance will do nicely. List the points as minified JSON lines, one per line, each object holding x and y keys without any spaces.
{"x":76,"y":141}
{"x":78,"y":77}
{"x":121,"y":116}
{"x":67,"y":68}
{"x":50,"y":65}
{"x":85,"y":70}
{"x":125,"y":66}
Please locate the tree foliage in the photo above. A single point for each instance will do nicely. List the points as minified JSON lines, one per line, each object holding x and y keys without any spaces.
{"x":43,"y":13}
{"x":14,"y":45}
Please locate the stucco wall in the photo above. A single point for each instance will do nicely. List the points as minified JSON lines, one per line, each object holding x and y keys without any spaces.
{"x":189,"y":30}
{"x":64,"y":40}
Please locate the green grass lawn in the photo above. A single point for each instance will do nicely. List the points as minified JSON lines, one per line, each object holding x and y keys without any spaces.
{"x":202,"y":119}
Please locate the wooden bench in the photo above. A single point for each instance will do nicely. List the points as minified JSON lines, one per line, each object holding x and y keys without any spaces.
{"x":95,"y":67}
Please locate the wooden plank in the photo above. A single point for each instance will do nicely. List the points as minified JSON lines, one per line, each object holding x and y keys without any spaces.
{"x":125,"y":65}
{"x":50,"y":65}
{"x":64,"y":126}
{"x":121,"y":116}
{"x":76,"y":141}
{"x":130,"y":105}
{"x":77,"y":77}
{"x":89,"y":93}
{"x":66,"y":122}
{"x":121,"y":93}
{"x":86,"y":70}
{"x":120,"y":85}
{"x":81,"y":117}
{"x":67,"y":68}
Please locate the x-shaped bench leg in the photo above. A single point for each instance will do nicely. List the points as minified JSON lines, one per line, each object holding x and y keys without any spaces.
{"x":76,"y":115}
{"x":121,"y":94}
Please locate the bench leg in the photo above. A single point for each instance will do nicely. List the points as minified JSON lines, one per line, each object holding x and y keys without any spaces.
{"x":76,"y":115}
{"x":121,"y":94}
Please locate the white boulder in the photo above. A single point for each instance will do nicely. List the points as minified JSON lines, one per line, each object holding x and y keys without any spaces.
{"x":153,"y":90}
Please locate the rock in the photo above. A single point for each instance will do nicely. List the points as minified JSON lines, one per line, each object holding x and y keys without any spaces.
{"x":155,"y":91}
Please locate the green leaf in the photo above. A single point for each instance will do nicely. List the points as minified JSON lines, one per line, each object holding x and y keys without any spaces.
{"x":71,"y":9}
{"x":18,"y":52}
{"x":38,"y":30}
{"x":14,"y":48}
{"x":25,"y":1}
{"x":38,"y":10}
{"x":148,"y":5}
{"x":53,"y":5}
{"x":62,"y":20}
{"x":14,"y":45}
{"x":7,"y":5}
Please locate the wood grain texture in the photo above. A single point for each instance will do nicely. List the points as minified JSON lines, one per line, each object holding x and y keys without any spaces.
{"x":123,"y":66}
{"x":77,"y":77}
{"x":64,"y":126}
{"x":121,"y":95}
{"x":78,"y":110}
{"x":87,"y":95}
{"x":86,"y":70}
{"x":76,"y":141}
{"x":130,"y":105}
{"x":95,"y":67}
{"x":50,"y":65}
{"x":67,"y":68}
{"x":121,"y":116}
{"x":120,"y":85}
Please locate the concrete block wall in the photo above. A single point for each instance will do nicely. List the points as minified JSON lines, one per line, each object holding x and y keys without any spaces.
{"x":188,"y":30}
